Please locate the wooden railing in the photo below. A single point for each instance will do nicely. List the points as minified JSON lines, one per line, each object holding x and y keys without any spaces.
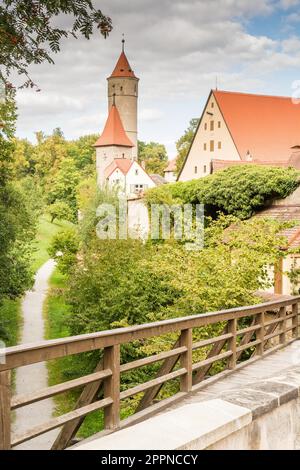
{"x":178,"y":362}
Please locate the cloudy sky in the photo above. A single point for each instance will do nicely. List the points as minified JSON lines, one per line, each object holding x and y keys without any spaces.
{"x":177,"y":48}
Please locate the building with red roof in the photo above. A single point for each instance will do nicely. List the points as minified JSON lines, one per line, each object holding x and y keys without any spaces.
{"x":116,"y":147}
{"x":237,"y":128}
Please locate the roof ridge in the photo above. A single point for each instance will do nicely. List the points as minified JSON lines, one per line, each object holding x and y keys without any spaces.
{"x":251,"y":94}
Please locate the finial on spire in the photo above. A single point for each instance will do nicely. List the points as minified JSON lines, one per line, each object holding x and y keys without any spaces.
{"x":216,"y":82}
{"x":123,"y":42}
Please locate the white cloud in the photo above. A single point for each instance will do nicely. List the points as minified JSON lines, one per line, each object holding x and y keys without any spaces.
{"x":176,"y":47}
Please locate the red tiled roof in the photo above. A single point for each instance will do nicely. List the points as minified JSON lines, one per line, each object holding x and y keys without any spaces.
{"x":113,"y":132}
{"x":122,"y":68}
{"x":266,"y":126}
{"x":124,"y":164}
{"x":285,"y":214}
{"x":171,"y":165}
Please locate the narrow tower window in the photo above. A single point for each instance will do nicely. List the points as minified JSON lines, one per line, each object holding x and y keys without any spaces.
{"x":212,"y":145}
{"x":212,"y":125}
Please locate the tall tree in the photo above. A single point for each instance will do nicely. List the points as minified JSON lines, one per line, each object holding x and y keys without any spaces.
{"x":154,"y":155}
{"x":29,"y":29}
{"x":17,"y":224}
{"x":184,"y":143}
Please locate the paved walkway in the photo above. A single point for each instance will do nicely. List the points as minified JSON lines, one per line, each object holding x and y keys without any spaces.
{"x":35,"y":376}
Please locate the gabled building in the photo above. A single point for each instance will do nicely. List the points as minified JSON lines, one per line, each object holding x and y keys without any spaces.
{"x":241,"y":128}
{"x":128,"y":177}
{"x":170,"y":171}
{"x":117,"y":146}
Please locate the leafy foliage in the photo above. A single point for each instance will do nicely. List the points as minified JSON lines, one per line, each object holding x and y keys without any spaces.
{"x":60,"y":210}
{"x":29,"y":28}
{"x":64,"y":248}
{"x":238,"y":190}
{"x":184,"y":143}
{"x":154,"y":155}
{"x":17,"y":220}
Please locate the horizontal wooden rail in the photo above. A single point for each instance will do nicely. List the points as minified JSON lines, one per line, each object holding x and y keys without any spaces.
{"x":249,"y":329}
{"x":248,"y":345}
{"x":101,"y":389}
{"x":151,"y":383}
{"x":152,"y":359}
{"x":22,"y":400}
{"x":60,"y":420}
{"x":208,"y":342}
{"x":211,"y":360}
{"x":25,"y":354}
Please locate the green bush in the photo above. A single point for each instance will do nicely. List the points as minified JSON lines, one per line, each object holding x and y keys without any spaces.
{"x":64,"y":248}
{"x":60,"y":210}
{"x":239,"y":190}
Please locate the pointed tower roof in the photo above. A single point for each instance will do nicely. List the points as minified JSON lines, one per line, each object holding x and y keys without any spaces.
{"x":113,"y":132}
{"x":122,"y":68}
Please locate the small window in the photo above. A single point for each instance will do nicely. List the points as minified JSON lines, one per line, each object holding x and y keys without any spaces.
{"x":212,"y":125}
{"x":212,"y":145}
{"x":136,"y":172}
{"x":196,"y":170}
{"x":213,"y":104}
{"x":204,"y":169}
{"x":204,"y":146}
{"x":205,"y":126}
{"x":121,"y":88}
{"x":219,"y":145}
{"x":219,"y":124}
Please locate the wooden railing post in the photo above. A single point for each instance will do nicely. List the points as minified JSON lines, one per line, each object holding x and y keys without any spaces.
{"x":186,"y":361}
{"x":111,"y":360}
{"x":282,"y":315}
{"x":261,"y":334}
{"x":295,"y":331}
{"x":5,"y":411}
{"x":232,"y":324}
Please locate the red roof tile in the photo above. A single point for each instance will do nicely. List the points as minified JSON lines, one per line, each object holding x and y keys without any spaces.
{"x":266,"y":126}
{"x":124,"y":164}
{"x":122,"y":68}
{"x":113,"y":133}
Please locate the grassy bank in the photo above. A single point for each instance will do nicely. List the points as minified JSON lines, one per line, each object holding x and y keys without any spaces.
{"x":45,"y":232}
{"x":56,"y":312}
{"x":10,"y":321}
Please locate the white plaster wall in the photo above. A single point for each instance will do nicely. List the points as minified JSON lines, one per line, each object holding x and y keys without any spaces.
{"x":105,"y":155}
{"x":170,"y":176}
{"x":200,"y":157}
{"x":141,"y":178}
{"x":138,"y":219}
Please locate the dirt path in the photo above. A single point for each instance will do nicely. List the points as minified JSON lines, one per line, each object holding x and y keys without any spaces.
{"x":35,"y":376}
